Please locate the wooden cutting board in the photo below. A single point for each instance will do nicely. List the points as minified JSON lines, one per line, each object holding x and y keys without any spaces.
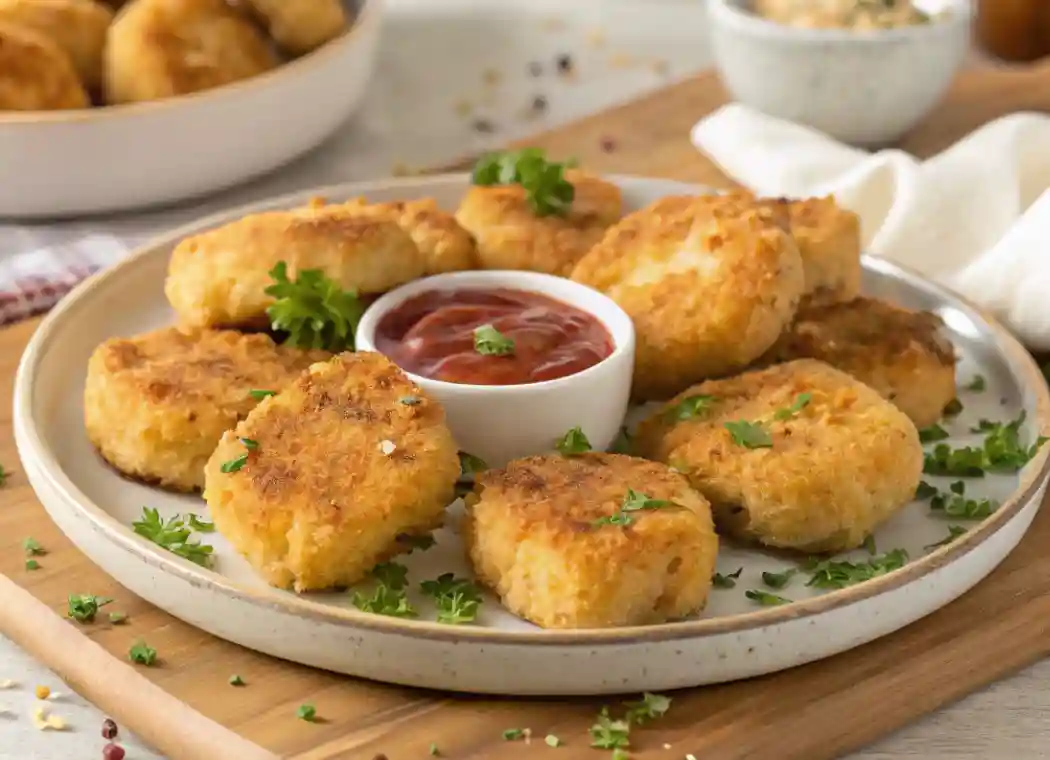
{"x":186,"y":708}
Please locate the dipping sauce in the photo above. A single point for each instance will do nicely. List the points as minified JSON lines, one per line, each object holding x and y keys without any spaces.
{"x":842,"y":14}
{"x":433,"y":335}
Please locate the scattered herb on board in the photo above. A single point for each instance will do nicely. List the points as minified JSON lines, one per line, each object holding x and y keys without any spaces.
{"x":236,"y":680}
{"x":174,"y":535}
{"x":607,"y":733}
{"x":828,"y":573}
{"x":954,"y":531}
{"x":84,"y":607}
{"x":546,"y":190}
{"x":750,"y":435}
{"x":632,"y":502}
{"x":306,"y":712}
{"x":620,"y":754}
{"x":457,"y":599}
{"x":800,"y":403}
{"x":954,"y":503}
{"x":32,"y":564}
{"x":953,"y":408}
{"x":933,"y":433}
{"x":779,"y":580}
{"x":416,"y":542}
{"x":622,"y":444}
{"x":259,"y":395}
{"x":573,"y":442}
{"x":869,"y":545}
{"x":4,"y":474}
{"x":488,"y":341}
{"x":688,"y":408}
{"x":469,"y":466}
{"x":765,"y":598}
{"x":199,"y":524}
{"x":313,"y":311}
{"x":118,"y":618}
{"x":142,"y":653}
{"x":551,"y":740}
{"x":977,"y":385}
{"x":513,"y":734}
{"x":726,"y":581}
{"x":434,"y":751}
{"x":925,"y":491}
{"x":32,"y":547}
{"x":1001,"y":451}
{"x":649,"y":707}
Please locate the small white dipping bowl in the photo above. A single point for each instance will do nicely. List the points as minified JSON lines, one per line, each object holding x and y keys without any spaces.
{"x":866,"y":87}
{"x":503,"y":422}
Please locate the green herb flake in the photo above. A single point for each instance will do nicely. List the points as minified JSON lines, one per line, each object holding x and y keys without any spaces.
{"x":800,"y":403}
{"x":688,"y":408}
{"x":174,"y":535}
{"x":607,"y":733}
{"x":118,"y":618}
{"x":488,"y":341}
{"x":620,"y":754}
{"x":954,"y":408}
{"x":967,"y":462}
{"x":779,"y":580}
{"x":470,"y":464}
{"x":750,"y":435}
{"x":236,"y":680}
{"x":726,"y":581}
{"x":4,"y":475}
{"x":385,"y":601}
{"x":869,"y":545}
{"x":933,"y":433}
{"x":551,"y":740}
{"x":622,"y":444}
{"x":306,"y":712}
{"x":313,"y":311}
{"x":954,"y":531}
{"x":410,"y":400}
{"x":32,"y":548}
{"x":765,"y":598}
{"x":977,"y":384}
{"x":199,"y":524}
{"x":416,"y":542}
{"x":925,"y":491}
{"x":235,"y":464}
{"x":259,"y":395}
{"x":632,"y":502}
{"x":457,"y":600}
{"x":546,"y":190}
{"x":142,"y":654}
{"x":1001,"y":451}
{"x":32,"y":564}
{"x":84,"y":607}
{"x":434,"y":751}
{"x":573,"y":442}
{"x":249,"y":443}
{"x":391,"y":574}
{"x":830,"y":573}
{"x":649,"y":707}
{"x":513,"y":734}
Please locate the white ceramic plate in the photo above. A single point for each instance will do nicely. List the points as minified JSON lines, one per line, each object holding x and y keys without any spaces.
{"x":63,"y":163}
{"x":733,"y":638}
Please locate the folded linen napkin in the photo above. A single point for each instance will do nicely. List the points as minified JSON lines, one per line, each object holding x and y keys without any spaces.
{"x":975,"y":218}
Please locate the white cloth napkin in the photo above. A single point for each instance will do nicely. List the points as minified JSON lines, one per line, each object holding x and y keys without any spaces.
{"x":975,"y":218}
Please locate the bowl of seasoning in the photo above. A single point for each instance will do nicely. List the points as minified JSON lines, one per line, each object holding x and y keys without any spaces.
{"x":517,"y":359}
{"x":862,"y":71}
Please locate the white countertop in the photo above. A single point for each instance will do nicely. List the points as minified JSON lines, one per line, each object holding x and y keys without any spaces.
{"x":411,"y":119}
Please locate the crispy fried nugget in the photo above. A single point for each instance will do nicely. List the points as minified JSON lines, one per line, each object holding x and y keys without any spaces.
{"x":539,"y":533}
{"x":840,"y":459}
{"x":36,"y":74}
{"x":509,"y":235}
{"x":163,"y":48}
{"x":155,"y":405}
{"x":446,"y":247}
{"x":709,"y":282}
{"x":219,"y":277}
{"x":338,"y":464}
{"x":300,"y":26}
{"x":78,"y":26}
{"x":900,"y":353}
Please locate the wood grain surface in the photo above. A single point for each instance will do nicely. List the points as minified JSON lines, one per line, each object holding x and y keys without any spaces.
{"x":810,"y":713}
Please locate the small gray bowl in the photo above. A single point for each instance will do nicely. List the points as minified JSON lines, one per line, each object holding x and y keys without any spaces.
{"x":866,"y":88}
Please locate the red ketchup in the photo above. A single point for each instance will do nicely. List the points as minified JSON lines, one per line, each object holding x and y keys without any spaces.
{"x":432,"y":335}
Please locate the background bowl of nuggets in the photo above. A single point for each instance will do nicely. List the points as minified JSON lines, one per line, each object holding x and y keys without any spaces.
{"x":120,"y":105}
{"x":772,"y":501}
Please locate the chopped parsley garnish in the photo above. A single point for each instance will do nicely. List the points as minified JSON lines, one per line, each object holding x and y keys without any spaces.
{"x":546,"y":189}
{"x":259,"y":395}
{"x":410,"y":400}
{"x":955,"y":504}
{"x":235,"y":464}
{"x":649,"y":707}
{"x":632,"y":502}
{"x":174,"y":535}
{"x":726,"y":581}
{"x":801,"y":401}
{"x":434,"y":751}
{"x":925,"y":491}
{"x":249,"y":443}
{"x":236,"y":680}
{"x":688,"y":408}
{"x":385,"y":601}
{"x":457,"y":599}
{"x":199,"y":524}
{"x":954,"y":408}
{"x":32,"y":547}
{"x":32,"y":564}
{"x":830,"y":573}
{"x":551,"y":740}
{"x":142,"y":653}
{"x":420,"y":542}
{"x":869,"y":545}
{"x":750,"y":435}
{"x":954,"y":531}
{"x":932,"y":433}
{"x":765,"y":598}
{"x":620,"y":754}
{"x":470,"y":464}
{"x":488,"y":341}
{"x":573,"y":442}
{"x":3,"y":476}
{"x":306,"y":712}
{"x":118,"y":618}
{"x":84,"y":607}
{"x":966,"y":462}
{"x":779,"y":580}
{"x":513,"y":734}
{"x":977,"y":384}
{"x":607,"y":733}
{"x":1002,"y":451}
{"x":313,"y":310}
{"x":622,"y":444}
{"x":391,"y":574}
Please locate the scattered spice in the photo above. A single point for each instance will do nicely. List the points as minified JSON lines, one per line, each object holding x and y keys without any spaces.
{"x":564,"y":63}
{"x":112,"y":752}
{"x":491,"y":77}
{"x":539,"y":104}
{"x":607,"y":144}
{"x":42,"y":692}
{"x":483,"y":126}
{"x":109,"y":729}
{"x":536,"y":68}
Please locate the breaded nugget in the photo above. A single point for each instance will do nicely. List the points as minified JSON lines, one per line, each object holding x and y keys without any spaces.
{"x":900,"y":353}
{"x":446,"y":247}
{"x":219,"y":277}
{"x":155,"y":405}
{"x":300,"y":26}
{"x":335,"y":467}
{"x":709,"y":282}
{"x":551,"y":535}
{"x":78,"y":26}
{"x":509,"y":235}
{"x":36,"y":74}
{"x":163,"y":48}
{"x":796,"y":456}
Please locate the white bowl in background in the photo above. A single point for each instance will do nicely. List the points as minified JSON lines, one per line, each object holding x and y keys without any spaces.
{"x":866,"y":87}
{"x":115,"y":158}
{"x":503,"y":422}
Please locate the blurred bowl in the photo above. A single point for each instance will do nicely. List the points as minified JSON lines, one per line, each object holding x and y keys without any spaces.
{"x":864,"y":87}
{"x":116,"y":158}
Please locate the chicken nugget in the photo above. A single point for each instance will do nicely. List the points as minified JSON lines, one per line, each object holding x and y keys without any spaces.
{"x":300,"y":26}
{"x":78,"y":26}
{"x":36,"y":74}
{"x":316,"y":485}
{"x":510,"y":235}
{"x":591,"y":541}
{"x":219,"y":277}
{"x":796,"y":456}
{"x":164,"y":48}
{"x":155,"y":405}
{"x":709,"y":282}
{"x":900,"y":353}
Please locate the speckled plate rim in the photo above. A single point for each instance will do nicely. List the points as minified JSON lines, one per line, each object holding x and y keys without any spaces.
{"x":36,"y":454}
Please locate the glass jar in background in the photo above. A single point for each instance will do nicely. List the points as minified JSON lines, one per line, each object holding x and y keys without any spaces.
{"x":1014,"y":30}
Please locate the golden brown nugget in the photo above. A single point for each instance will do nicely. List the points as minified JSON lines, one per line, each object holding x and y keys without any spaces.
{"x":591,"y":541}
{"x":36,"y":74}
{"x":219,"y":277}
{"x":510,"y":235}
{"x":709,"y":282}
{"x":797,"y":456}
{"x":155,"y":405}
{"x":315,"y":486}
{"x":300,"y":26}
{"x":78,"y":26}
{"x":164,"y":48}
{"x":902,"y":354}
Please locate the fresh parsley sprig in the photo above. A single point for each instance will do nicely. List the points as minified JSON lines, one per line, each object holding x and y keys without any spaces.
{"x":954,"y":531}
{"x":718,"y":580}
{"x":632,"y":502}
{"x":801,"y":402}
{"x":84,"y":607}
{"x":174,"y":535}
{"x":457,"y":599}
{"x":750,"y":435}
{"x":1001,"y":451}
{"x":385,"y":601}
{"x":828,"y":573}
{"x":953,"y":503}
{"x":488,"y":341}
{"x":313,"y":310}
{"x":688,"y":408}
{"x":766,"y":599}
{"x":573,"y":442}
{"x":649,"y":707}
{"x":142,"y":654}
{"x":469,"y":466}
{"x":546,"y":189}
{"x":607,"y":733}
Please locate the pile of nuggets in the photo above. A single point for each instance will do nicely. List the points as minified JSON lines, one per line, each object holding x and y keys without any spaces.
{"x":68,"y":54}
{"x":785,"y":405}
